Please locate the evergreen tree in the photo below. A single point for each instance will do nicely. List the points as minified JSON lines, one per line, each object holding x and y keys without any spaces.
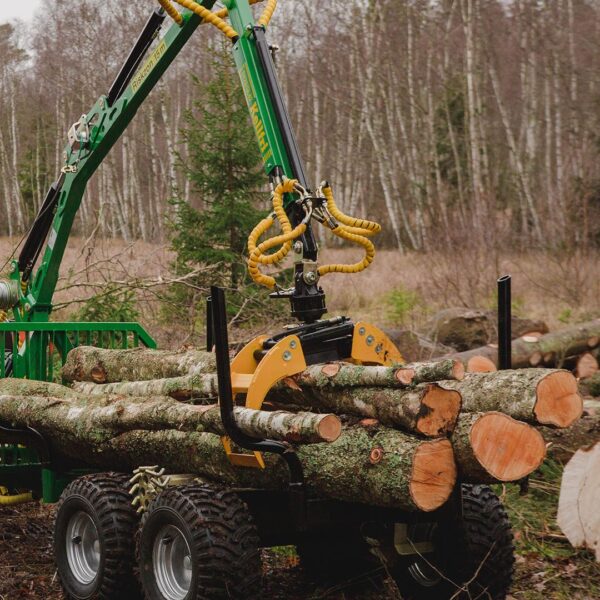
{"x":223,"y":166}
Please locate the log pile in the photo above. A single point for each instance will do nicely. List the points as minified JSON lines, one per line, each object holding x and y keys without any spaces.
{"x":401,"y":436}
{"x":576,"y":348}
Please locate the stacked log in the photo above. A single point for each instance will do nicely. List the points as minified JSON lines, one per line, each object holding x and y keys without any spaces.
{"x":400,"y":436}
{"x":575,"y":347}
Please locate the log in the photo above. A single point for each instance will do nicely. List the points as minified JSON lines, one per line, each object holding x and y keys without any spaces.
{"x":550,"y":350}
{"x":578,"y":515}
{"x":341,"y":374}
{"x":480,"y":364}
{"x":99,"y":365}
{"x":465,"y":329}
{"x":415,"y":347}
{"x":202,"y":387}
{"x":198,"y":388}
{"x":563,"y":443}
{"x":544,"y":396}
{"x":492,"y":446}
{"x":427,"y":409}
{"x":380,"y":466}
{"x":586,"y":366}
{"x":86,"y":418}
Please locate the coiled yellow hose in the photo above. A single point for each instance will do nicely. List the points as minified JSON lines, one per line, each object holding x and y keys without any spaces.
{"x":257,"y":252}
{"x":369,"y":226}
{"x":6,"y":500}
{"x":215,"y":18}
{"x":353,"y":230}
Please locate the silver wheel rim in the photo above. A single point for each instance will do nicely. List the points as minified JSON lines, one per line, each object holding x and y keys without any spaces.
{"x":83,"y":547}
{"x":420,"y":569}
{"x":172,"y":563}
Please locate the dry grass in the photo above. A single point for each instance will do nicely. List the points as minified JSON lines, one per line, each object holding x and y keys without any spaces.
{"x":556,"y":287}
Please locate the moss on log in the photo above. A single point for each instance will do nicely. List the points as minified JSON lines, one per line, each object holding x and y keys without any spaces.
{"x":427,"y":409}
{"x":201,"y":387}
{"x":382,"y":467}
{"x":99,"y":365}
{"x":94,"y":418}
{"x":495,"y":447}
{"x":544,"y":396}
{"x":439,"y":370}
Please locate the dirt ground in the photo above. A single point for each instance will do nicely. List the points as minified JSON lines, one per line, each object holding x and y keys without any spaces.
{"x":27,"y":570}
{"x":546,"y":566}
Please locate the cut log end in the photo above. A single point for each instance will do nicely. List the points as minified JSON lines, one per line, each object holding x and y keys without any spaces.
{"x":458,"y":370}
{"x":507,"y":449}
{"x":439,"y":411}
{"x":405,"y":375}
{"x":587,"y":365}
{"x":480,"y":364}
{"x":434,"y":474}
{"x":330,"y":428}
{"x":558,"y":402}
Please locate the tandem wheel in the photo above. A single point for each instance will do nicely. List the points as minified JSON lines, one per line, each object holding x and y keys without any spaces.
{"x":198,"y":542}
{"x":94,"y":535}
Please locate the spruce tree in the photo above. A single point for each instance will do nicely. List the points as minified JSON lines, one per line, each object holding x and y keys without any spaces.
{"x":223,"y":165}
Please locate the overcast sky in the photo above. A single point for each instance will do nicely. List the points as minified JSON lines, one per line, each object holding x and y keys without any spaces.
{"x":17,"y":9}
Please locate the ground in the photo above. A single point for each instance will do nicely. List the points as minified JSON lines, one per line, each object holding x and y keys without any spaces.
{"x":547,"y":567}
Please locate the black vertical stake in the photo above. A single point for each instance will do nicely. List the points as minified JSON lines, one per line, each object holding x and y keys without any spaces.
{"x":209,"y":325}
{"x":504,"y":323}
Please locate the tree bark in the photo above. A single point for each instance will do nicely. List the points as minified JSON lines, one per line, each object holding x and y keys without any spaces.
{"x":86,"y":363}
{"x":92,"y":418}
{"x":549,"y":350}
{"x":377,"y":466}
{"x":465,"y":329}
{"x":198,"y":388}
{"x":340,"y":374}
{"x":427,"y":409}
{"x":563,"y":443}
{"x":544,"y":396}
{"x":493,"y":447}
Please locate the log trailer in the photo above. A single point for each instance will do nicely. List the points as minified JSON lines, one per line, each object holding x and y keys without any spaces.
{"x":196,"y":541}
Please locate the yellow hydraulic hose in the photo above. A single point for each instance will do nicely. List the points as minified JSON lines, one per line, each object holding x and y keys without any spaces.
{"x":344,"y":219}
{"x":171,"y":11}
{"x":265,"y":18}
{"x":16,"y":499}
{"x":257,"y":252}
{"x":342,"y":232}
{"x":207,"y":15}
{"x":224,"y":12}
{"x":353,"y":230}
{"x":215,"y":18}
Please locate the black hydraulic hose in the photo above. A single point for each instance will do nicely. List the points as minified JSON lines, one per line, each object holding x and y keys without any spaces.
{"x":238,"y":437}
{"x":504,"y":323}
{"x":39,"y":230}
{"x":136,"y":55}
